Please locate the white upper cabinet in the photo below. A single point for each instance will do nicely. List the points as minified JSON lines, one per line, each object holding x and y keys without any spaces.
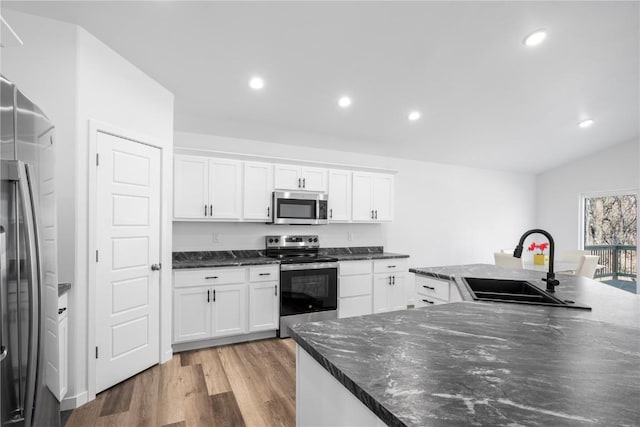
{"x":258,"y":188}
{"x":207,"y":188}
{"x":339,"y":195}
{"x":293,"y":177}
{"x":372,"y":198}
{"x":225,"y":186}
{"x":191,"y":187}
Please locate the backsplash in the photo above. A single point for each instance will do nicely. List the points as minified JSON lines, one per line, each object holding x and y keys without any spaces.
{"x":210,"y":236}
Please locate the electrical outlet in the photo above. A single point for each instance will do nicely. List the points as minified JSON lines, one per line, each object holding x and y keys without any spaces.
{"x":216,"y":238}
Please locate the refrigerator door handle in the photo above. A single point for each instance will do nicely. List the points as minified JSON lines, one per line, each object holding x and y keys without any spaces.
{"x":3,"y":291}
{"x":31,"y":231}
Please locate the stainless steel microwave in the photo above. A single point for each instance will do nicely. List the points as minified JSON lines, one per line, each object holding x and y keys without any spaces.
{"x":308,"y":208}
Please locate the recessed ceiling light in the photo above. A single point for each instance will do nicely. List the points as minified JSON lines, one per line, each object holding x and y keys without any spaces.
{"x":535,"y":38}
{"x":585,"y":123}
{"x":344,"y":101}
{"x":414,"y":115}
{"x":256,"y":83}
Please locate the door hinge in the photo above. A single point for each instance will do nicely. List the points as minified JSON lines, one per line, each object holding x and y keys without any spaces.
{"x":97,"y":159}
{"x":96,"y":256}
{"x":96,"y":352}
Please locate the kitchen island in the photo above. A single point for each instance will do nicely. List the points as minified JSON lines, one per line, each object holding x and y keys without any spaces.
{"x":477,"y":363}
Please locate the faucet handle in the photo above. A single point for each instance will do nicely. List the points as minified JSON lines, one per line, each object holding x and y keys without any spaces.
{"x":552,"y":282}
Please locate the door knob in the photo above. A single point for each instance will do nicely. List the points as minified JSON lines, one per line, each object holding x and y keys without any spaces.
{"x":156,"y":267}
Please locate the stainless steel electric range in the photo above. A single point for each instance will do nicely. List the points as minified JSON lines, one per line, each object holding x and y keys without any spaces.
{"x":308,"y":280}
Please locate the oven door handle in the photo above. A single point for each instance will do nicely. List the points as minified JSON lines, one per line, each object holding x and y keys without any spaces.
{"x":308,"y":266}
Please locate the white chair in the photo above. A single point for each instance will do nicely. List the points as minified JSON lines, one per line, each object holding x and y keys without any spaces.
{"x":587,"y":266}
{"x":507,"y":260}
{"x":573,"y":255}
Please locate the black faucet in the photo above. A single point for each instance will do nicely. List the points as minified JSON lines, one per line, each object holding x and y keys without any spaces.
{"x":551,"y":280}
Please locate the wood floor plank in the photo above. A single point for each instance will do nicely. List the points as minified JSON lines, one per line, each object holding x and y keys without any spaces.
{"x":170,"y":407}
{"x":282,"y":412}
{"x":144,"y":405}
{"x":118,"y":399}
{"x":179,"y":424}
{"x":86,"y":414}
{"x":214,"y":373}
{"x":226,"y":412}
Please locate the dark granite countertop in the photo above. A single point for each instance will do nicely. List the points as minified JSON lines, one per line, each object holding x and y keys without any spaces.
{"x":480,"y":363}
{"x":212,"y":259}
{"x":358,"y":253}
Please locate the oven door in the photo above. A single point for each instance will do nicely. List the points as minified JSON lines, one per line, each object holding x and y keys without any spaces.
{"x":298,"y":208}
{"x":308,"y":288}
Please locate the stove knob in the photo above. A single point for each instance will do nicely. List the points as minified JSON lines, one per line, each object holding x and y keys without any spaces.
{"x":270,"y":240}
{"x":315,"y":239}
{"x":310,"y":240}
{"x":277,"y":240}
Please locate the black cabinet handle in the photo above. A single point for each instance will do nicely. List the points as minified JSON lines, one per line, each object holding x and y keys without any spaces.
{"x":214,"y":295}
{"x":265,"y":274}
{"x":62,"y":310}
{"x":427,"y":301}
{"x":372,"y":214}
{"x":208,"y":295}
{"x":376,"y":213}
{"x":304,"y":183}
{"x":389,"y":280}
{"x":268,"y":211}
{"x":428,"y":287}
{"x":276,"y":289}
{"x":205,"y":210}
{"x":394,"y":279}
{"x":331,"y":213}
{"x":299,"y":182}
{"x":391,"y":266}
{"x":210,"y":210}
{"x":211,"y":277}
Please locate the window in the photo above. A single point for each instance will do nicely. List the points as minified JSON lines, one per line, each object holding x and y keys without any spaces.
{"x":610,"y":231}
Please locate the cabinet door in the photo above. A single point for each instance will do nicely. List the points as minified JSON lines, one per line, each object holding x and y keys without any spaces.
{"x":225,"y":179}
{"x":381,"y":285}
{"x":314,"y":179}
{"x":258,"y":189}
{"x":229,"y":310}
{"x":354,"y":306}
{"x":63,"y":345}
{"x":287,"y":177}
{"x":190,"y":187}
{"x":263,"y":306}
{"x":191,"y":314}
{"x":383,"y":197}
{"x":397,"y":296}
{"x":361,"y":197}
{"x":339,"y":195}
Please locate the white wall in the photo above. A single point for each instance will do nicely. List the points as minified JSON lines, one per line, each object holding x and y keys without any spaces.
{"x":75,"y":78}
{"x":560,"y":189}
{"x":443,"y":214}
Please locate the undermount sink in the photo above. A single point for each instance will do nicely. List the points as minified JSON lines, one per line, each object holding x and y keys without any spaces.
{"x":514,"y":291}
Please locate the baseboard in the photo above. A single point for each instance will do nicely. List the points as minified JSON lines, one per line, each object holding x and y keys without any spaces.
{"x":166,"y":356}
{"x":73,"y":402}
{"x":194,"y":345}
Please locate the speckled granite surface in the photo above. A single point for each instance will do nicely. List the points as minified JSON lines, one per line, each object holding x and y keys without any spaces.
{"x":479,"y":363}
{"x":360,"y":253}
{"x":211,"y":259}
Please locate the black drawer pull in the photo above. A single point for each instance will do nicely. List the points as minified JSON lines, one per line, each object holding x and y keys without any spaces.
{"x":265,"y":274}
{"x":62,"y":310}
{"x":391,"y":266}
{"x":427,"y":301}
{"x":214,"y":295}
{"x":208,"y":295}
{"x":211,"y":277}
{"x":428,"y":287}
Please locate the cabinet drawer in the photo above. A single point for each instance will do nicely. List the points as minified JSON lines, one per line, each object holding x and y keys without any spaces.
{"x":349,"y":286}
{"x":264,"y":273}
{"x":423,"y":301}
{"x":355,"y":267}
{"x":432,"y":288}
{"x":389,"y":265}
{"x":354,"y":306}
{"x":202,"y":277}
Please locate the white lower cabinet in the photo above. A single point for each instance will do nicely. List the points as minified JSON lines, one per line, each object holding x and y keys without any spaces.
{"x":432,"y":291}
{"x":221,"y":302}
{"x":367,"y":287}
{"x":63,"y":344}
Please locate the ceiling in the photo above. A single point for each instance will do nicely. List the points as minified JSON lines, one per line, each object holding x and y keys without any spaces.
{"x":486,"y":99}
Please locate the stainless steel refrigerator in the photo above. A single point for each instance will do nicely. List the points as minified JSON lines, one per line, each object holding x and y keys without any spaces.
{"x":29,"y":390}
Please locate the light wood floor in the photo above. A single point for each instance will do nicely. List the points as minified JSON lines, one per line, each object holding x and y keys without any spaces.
{"x":250,"y":384}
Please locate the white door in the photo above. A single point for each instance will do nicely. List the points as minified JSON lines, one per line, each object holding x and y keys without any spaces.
{"x":229,"y":310}
{"x":258,"y":188}
{"x":314,"y":179}
{"x":263,"y":306}
{"x":191,"y":314}
{"x":128,"y":243}
{"x":383,"y":197}
{"x":287,"y":177}
{"x":225,"y":185}
{"x":361,"y":197}
{"x":397,"y":295}
{"x":190,"y":189}
{"x":339,"y":195}
{"x":381,"y":285}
